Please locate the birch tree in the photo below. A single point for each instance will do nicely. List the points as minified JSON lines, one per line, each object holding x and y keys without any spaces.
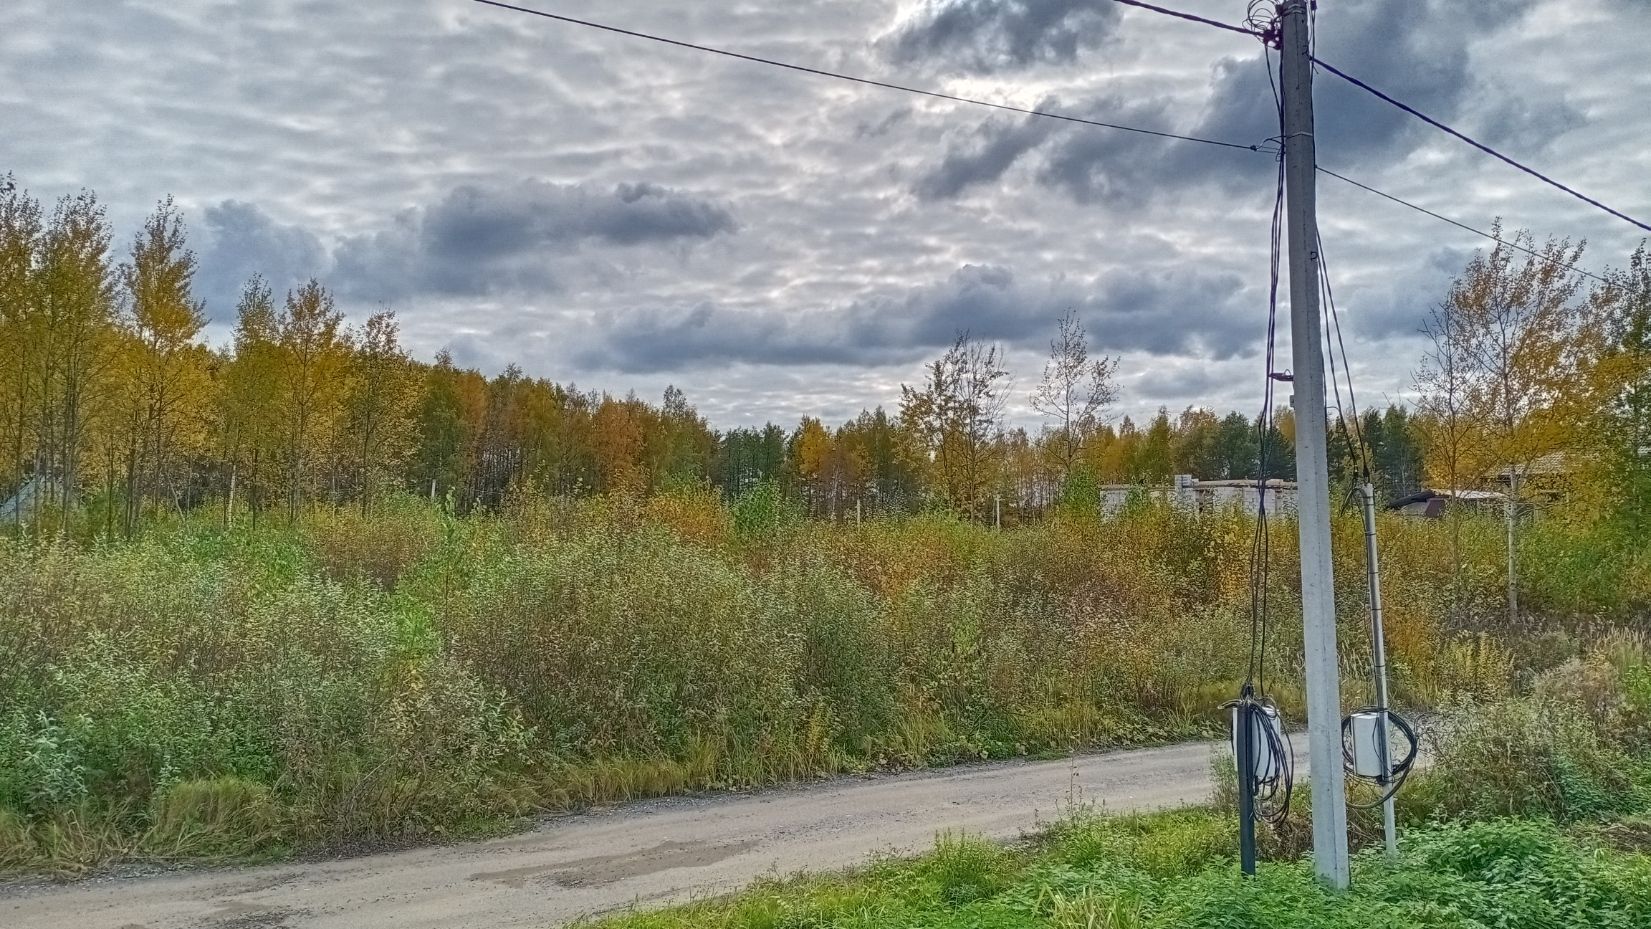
{"x":1073,"y":395}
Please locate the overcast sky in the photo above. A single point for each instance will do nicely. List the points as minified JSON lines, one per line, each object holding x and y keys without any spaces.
{"x":625,"y":215}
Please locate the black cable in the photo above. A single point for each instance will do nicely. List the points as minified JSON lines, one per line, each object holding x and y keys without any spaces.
{"x":1190,"y":17}
{"x":1397,"y":771}
{"x":1475,"y":143}
{"x":1261,"y":544}
{"x":1460,"y":225}
{"x":1271,"y":792}
{"x":1261,"y":18}
{"x":1357,"y":450}
{"x":1272,"y":800}
{"x":863,"y":80}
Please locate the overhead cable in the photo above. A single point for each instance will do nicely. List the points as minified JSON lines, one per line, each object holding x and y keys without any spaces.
{"x":1476,"y":143}
{"x":1461,"y":225}
{"x":1190,"y":17}
{"x":870,"y":82}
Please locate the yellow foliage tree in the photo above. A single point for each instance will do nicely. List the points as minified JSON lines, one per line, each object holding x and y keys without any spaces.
{"x":164,"y":385}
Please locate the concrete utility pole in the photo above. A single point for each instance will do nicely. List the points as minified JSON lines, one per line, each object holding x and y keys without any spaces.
{"x":1318,"y":596}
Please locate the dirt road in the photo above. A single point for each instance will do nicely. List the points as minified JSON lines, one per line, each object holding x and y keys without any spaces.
{"x":641,"y":854}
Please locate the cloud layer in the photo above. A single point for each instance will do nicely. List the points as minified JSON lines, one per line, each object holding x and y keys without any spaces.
{"x":627,"y":215}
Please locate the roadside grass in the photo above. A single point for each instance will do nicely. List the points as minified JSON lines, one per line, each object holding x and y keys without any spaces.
{"x":407,"y":676}
{"x":1173,"y":871}
{"x":1536,"y":812}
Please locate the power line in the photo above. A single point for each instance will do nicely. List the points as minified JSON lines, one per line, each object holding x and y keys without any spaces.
{"x":1045,"y":114}
{"x":1265,"y":36}
{"x":1476,"y":143}
{"x":1461,"y":225}
{"x":1190,"y":17}
{"x":819,"y":72}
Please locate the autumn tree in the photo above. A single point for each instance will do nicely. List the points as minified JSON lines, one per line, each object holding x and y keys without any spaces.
{"x":957,"y":412}
{"x":1237,"y":447}
{"x":680,"y":446}
{"x":165,"y":387}
{"x":69,"y":326}
{"x":881,"y":454}
{"x":314,"y":369}
{"x":1113,"y":455}
{"x":443,"y":428}
{"x":1153,"y":462}
{"x":1197,"y":446}
{"x":250,"y":384}
{"x":380,"y":407}
{"x":21,"y":229}
{"x":617,"y":438}
{"x":555,"y":440}
{"x":1520,"y":346}
{"x":1624,"y":423}
{"x":1448,"y":428}
{"x":1073,"y":394}
{"x":748,"y":457}
{"x":812,"y":452}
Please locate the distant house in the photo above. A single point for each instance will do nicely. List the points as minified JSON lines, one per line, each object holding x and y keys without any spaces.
{"x":1543,"y":480}
{"x":1550,"y":467}
{"x":1432,"y":504}
{"x":1205,"y":496}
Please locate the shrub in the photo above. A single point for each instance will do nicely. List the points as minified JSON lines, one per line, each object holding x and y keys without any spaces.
{"x":409,"y":672}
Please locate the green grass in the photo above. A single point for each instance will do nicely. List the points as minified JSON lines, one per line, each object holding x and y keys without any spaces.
{"x":1174,"y":871}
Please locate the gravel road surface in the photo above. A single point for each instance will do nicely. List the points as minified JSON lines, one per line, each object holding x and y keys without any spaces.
{"x":641,"y":854}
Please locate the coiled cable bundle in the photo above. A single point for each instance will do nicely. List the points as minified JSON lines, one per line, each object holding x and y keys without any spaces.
{"x":1379,"y":722}
{"x":1271,"y":778}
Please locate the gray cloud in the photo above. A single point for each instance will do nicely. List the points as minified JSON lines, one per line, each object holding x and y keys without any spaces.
{"x":240,"y":240}
{"x":1160,"y":313}
{"x":981,"y":156}
{"x":1531,"y":124}
{"x":1121,"y":168}
{"x":991,"y":35}
{"x":1420,"y":59}
{"x":489,"y":240}
{"x":1397,"y":307}
{"x":473,"y":241}
{"x":877,"y":130}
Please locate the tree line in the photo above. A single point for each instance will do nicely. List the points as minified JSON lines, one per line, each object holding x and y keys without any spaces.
{"x":114,"y":408}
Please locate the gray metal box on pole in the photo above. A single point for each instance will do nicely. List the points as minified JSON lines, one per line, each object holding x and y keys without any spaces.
{"x":1318,"y":599}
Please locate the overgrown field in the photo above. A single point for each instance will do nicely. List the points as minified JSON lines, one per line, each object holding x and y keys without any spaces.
{"x":200,"y":692}
{"x":1534,"y":816}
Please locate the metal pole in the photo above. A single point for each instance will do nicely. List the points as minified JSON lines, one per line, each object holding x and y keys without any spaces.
{"x":1378,"y":659}
{"x":1318,"y":600}
{"x":1510,"y":509}
{"x":1244,"y":739}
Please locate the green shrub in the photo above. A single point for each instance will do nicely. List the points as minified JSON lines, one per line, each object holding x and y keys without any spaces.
{"x":409,"y":672}
{"x":1529,"y":756}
